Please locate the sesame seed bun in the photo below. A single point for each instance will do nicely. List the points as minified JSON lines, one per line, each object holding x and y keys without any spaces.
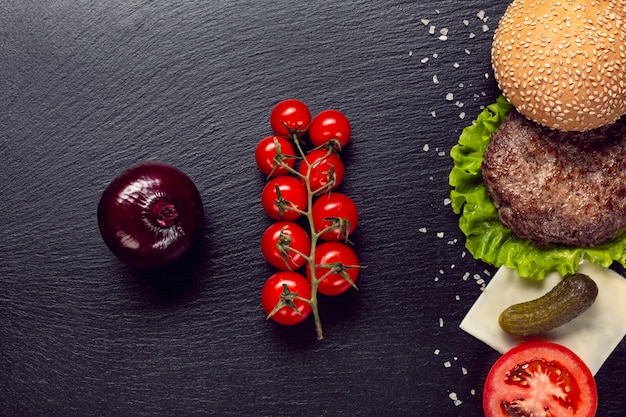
{"x":561,"y":63}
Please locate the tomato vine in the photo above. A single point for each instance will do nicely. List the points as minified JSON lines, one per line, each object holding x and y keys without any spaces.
{"x":290,"y":157}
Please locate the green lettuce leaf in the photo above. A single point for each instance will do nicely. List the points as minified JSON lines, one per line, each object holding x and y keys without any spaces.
{"x":486,"y":238}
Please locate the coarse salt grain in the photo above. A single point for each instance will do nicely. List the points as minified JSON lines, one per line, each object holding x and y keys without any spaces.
{"x":435,"y":79}
{"x":450,"y":96}
{"x":426,"y":148}
{"x":447,"y":364}
{"x":440,"y":235}
{"x":453,"y":397}
{"x":422,"y":230}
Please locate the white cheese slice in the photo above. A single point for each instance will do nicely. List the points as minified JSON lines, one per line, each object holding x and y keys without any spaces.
{"x":593,"y":335}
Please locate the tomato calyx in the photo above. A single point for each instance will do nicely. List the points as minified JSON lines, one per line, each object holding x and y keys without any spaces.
{"x":339,"y":225}
{"x":287,"y":299}
{"x":284,"y":204}
{"x":285,"y":248}
{"x":280,"y":159}
{"x":338,"y":268}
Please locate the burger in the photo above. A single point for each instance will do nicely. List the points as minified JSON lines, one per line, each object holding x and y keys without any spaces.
{"x":539,"y":179}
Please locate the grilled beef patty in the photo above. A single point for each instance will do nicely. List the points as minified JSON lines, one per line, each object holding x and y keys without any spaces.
{"x":558,"y":187}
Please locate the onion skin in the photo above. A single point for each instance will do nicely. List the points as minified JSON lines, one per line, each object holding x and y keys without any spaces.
{"x":150,"y":215}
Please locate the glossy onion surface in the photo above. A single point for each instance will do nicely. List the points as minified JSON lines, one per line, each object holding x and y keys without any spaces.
{"x":150,"y":215}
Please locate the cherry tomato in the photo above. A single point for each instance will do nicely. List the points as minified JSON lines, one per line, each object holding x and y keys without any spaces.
{"x":279,"y":204}
{"x":285,"y":245}
{"x":290,"y":116}
{"x":279,"y":303}
{"x":540,"y":379}
{"x":325,"y":170}
{"x":270,"y":151}
{"x":330,"y":124}
{"x":344,"y":263}
{"x":335,"y":209}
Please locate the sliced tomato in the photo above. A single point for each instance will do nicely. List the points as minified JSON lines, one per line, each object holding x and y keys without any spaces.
{"x":540,"y":379}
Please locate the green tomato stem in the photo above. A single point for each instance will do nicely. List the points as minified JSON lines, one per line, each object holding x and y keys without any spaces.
{"x":314,"y":238}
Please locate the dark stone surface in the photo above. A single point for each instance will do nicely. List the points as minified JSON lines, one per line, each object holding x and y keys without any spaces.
{"x":90,"y":88}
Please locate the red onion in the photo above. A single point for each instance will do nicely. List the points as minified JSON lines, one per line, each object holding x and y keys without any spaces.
{"x":150,"y":215}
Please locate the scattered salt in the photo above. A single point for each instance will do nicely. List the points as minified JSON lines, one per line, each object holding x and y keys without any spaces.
{"x":450,"y":96}
{"x":435,"y":79}
{"x":454,"y":398}
{"x":422,"y":230}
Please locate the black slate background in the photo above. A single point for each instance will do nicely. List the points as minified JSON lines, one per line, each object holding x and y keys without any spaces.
{"x":89,"y":88}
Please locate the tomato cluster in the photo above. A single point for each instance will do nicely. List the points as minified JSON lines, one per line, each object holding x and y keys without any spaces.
{"x":309,"y":241}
